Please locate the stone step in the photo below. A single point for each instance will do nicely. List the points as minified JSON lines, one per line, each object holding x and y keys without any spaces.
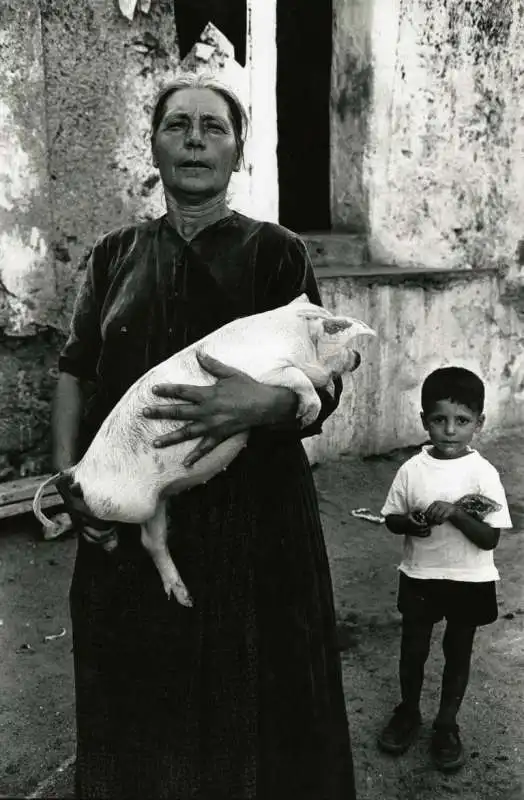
{"x":329,"y":249}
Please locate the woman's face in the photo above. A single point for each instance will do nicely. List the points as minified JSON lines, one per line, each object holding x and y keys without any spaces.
{"x":195,"y":147}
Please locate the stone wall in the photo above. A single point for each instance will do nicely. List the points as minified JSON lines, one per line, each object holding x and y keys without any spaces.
{"x":77,"y":83}
{"x":427,"y":140}
{"x":424,"y":320}
{"x":427,"y":129}
{"x":26,"y":264}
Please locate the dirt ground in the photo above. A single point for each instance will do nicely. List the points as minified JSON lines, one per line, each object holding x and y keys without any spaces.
{"x":36,"y":690}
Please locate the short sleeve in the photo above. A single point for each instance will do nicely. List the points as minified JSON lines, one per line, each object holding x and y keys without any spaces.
{"x":294,"y":275}
{"x":80,"y":354}
{"x":491,"y":486}
{"x":396,"y":501}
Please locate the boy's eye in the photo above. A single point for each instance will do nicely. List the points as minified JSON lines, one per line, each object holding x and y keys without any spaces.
{"x":463,"y":420}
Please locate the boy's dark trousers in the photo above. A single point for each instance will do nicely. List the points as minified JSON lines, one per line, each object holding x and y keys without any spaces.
{"x":423,"y":603}
{"x":414,"y":649}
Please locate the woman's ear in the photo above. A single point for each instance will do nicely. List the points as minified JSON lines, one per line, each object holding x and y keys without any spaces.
{"x":239,"y":163}
{"x":153,"y":154}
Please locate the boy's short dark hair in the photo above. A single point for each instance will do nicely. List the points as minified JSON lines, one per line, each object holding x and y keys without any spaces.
{"x":456,"y":384}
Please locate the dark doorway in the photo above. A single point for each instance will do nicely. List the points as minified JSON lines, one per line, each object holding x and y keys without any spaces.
{"x":304,"y":44}
{"x":229,"y":16}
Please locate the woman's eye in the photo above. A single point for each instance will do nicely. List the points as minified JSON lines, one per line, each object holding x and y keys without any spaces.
{"x":214,"y":127}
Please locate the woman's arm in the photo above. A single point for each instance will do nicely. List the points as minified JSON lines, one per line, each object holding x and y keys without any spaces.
{"x":78,"y":358}
{"x":65,"y":421}
{"x":235,"y":402}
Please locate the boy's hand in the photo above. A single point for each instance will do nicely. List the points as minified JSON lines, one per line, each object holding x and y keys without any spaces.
{"x":439,"y":511}
{"x":417,"y":524}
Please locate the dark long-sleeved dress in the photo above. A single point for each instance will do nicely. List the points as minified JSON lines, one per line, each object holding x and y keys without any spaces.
{"x":241,"y":696}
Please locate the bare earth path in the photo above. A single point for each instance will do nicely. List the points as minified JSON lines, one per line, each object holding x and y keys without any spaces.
{"x":36,"y":712}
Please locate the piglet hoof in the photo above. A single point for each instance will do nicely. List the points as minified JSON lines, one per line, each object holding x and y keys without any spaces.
{"x":180,"y":593}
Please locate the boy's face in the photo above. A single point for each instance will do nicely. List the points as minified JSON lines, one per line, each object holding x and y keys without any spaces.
{"x":451,"y":427}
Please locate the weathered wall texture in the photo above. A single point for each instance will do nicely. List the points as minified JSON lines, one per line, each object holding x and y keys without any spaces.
{"x":77,"y":85}
{"x":351,"y":87}
{"x":26,"y":269}
{"x":445,"y":166}
{"x":423,"y":322}
{"x":102,"y":74}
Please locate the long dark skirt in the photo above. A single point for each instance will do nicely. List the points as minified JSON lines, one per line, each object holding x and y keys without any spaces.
{"x":239,"y":697}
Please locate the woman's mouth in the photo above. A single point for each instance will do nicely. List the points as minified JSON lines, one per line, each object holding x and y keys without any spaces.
{"x":194,"y":165}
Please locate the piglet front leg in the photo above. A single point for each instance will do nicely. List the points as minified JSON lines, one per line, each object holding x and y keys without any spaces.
{"x":309,"y":404}
{"x":154,"y":540}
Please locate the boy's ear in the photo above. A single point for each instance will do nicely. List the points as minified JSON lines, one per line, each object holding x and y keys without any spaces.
{"x":480,"y":421}
{"x":423,"y":418}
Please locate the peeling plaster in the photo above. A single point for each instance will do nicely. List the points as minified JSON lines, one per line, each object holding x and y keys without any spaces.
{"x":26,"y":277}
{"x":444,"y":166}
{"x":470,"y":327}
{"x":19,"y":178}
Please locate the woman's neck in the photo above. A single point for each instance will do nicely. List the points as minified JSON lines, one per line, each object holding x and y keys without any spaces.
{"x":188,"y":219}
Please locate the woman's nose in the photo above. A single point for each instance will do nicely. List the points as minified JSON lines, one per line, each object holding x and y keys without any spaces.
{"x":194,"y":136}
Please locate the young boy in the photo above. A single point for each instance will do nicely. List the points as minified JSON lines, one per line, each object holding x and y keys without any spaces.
{"x":447,"y":570}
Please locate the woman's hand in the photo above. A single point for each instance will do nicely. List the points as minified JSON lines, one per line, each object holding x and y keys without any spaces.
{"x":235,"y":403}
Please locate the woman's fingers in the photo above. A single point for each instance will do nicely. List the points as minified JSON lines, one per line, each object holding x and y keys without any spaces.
{"x":216,"y":367}
{"x":183,"y":434}
{"x":182,"y":411}
{"x":207,"y":444}
{"x":182,"y":391}
{"x":212,"y":430}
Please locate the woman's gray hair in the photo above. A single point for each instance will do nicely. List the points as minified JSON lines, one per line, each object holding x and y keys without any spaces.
{"x":192,"y":80}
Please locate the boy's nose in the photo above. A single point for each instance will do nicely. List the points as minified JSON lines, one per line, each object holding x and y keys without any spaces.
{"x":450,"y":428}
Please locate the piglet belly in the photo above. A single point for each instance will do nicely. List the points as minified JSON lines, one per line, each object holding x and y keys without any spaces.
{"x":173,"y":478}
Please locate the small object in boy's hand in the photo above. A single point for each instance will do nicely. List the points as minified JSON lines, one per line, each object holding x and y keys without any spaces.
{"x":419,"y":517}
{"x":477,"y":505}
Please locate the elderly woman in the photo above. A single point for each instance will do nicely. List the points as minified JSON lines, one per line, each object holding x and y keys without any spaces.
{"x":240,"y":697}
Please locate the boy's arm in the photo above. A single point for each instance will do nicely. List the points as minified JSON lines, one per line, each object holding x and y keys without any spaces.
{"x":479,"y":533}
{"x":407,"y":525}
{"x":398,"y":517}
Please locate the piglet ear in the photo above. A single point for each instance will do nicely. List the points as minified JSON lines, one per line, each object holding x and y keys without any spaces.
{"x":355,"y":327}
{"x":315,"y":312}
{"x":302,"y":298}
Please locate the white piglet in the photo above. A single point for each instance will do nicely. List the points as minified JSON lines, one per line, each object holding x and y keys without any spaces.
{"x":123,"y":478}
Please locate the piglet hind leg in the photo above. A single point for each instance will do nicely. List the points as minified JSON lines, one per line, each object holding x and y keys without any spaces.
{"x":154,"y":541}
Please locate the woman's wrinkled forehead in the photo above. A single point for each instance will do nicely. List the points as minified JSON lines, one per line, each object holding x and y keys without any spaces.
{"x":196,"y":103}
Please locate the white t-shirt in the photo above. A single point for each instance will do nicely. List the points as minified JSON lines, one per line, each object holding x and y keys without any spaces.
{"x":446,"y":554}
